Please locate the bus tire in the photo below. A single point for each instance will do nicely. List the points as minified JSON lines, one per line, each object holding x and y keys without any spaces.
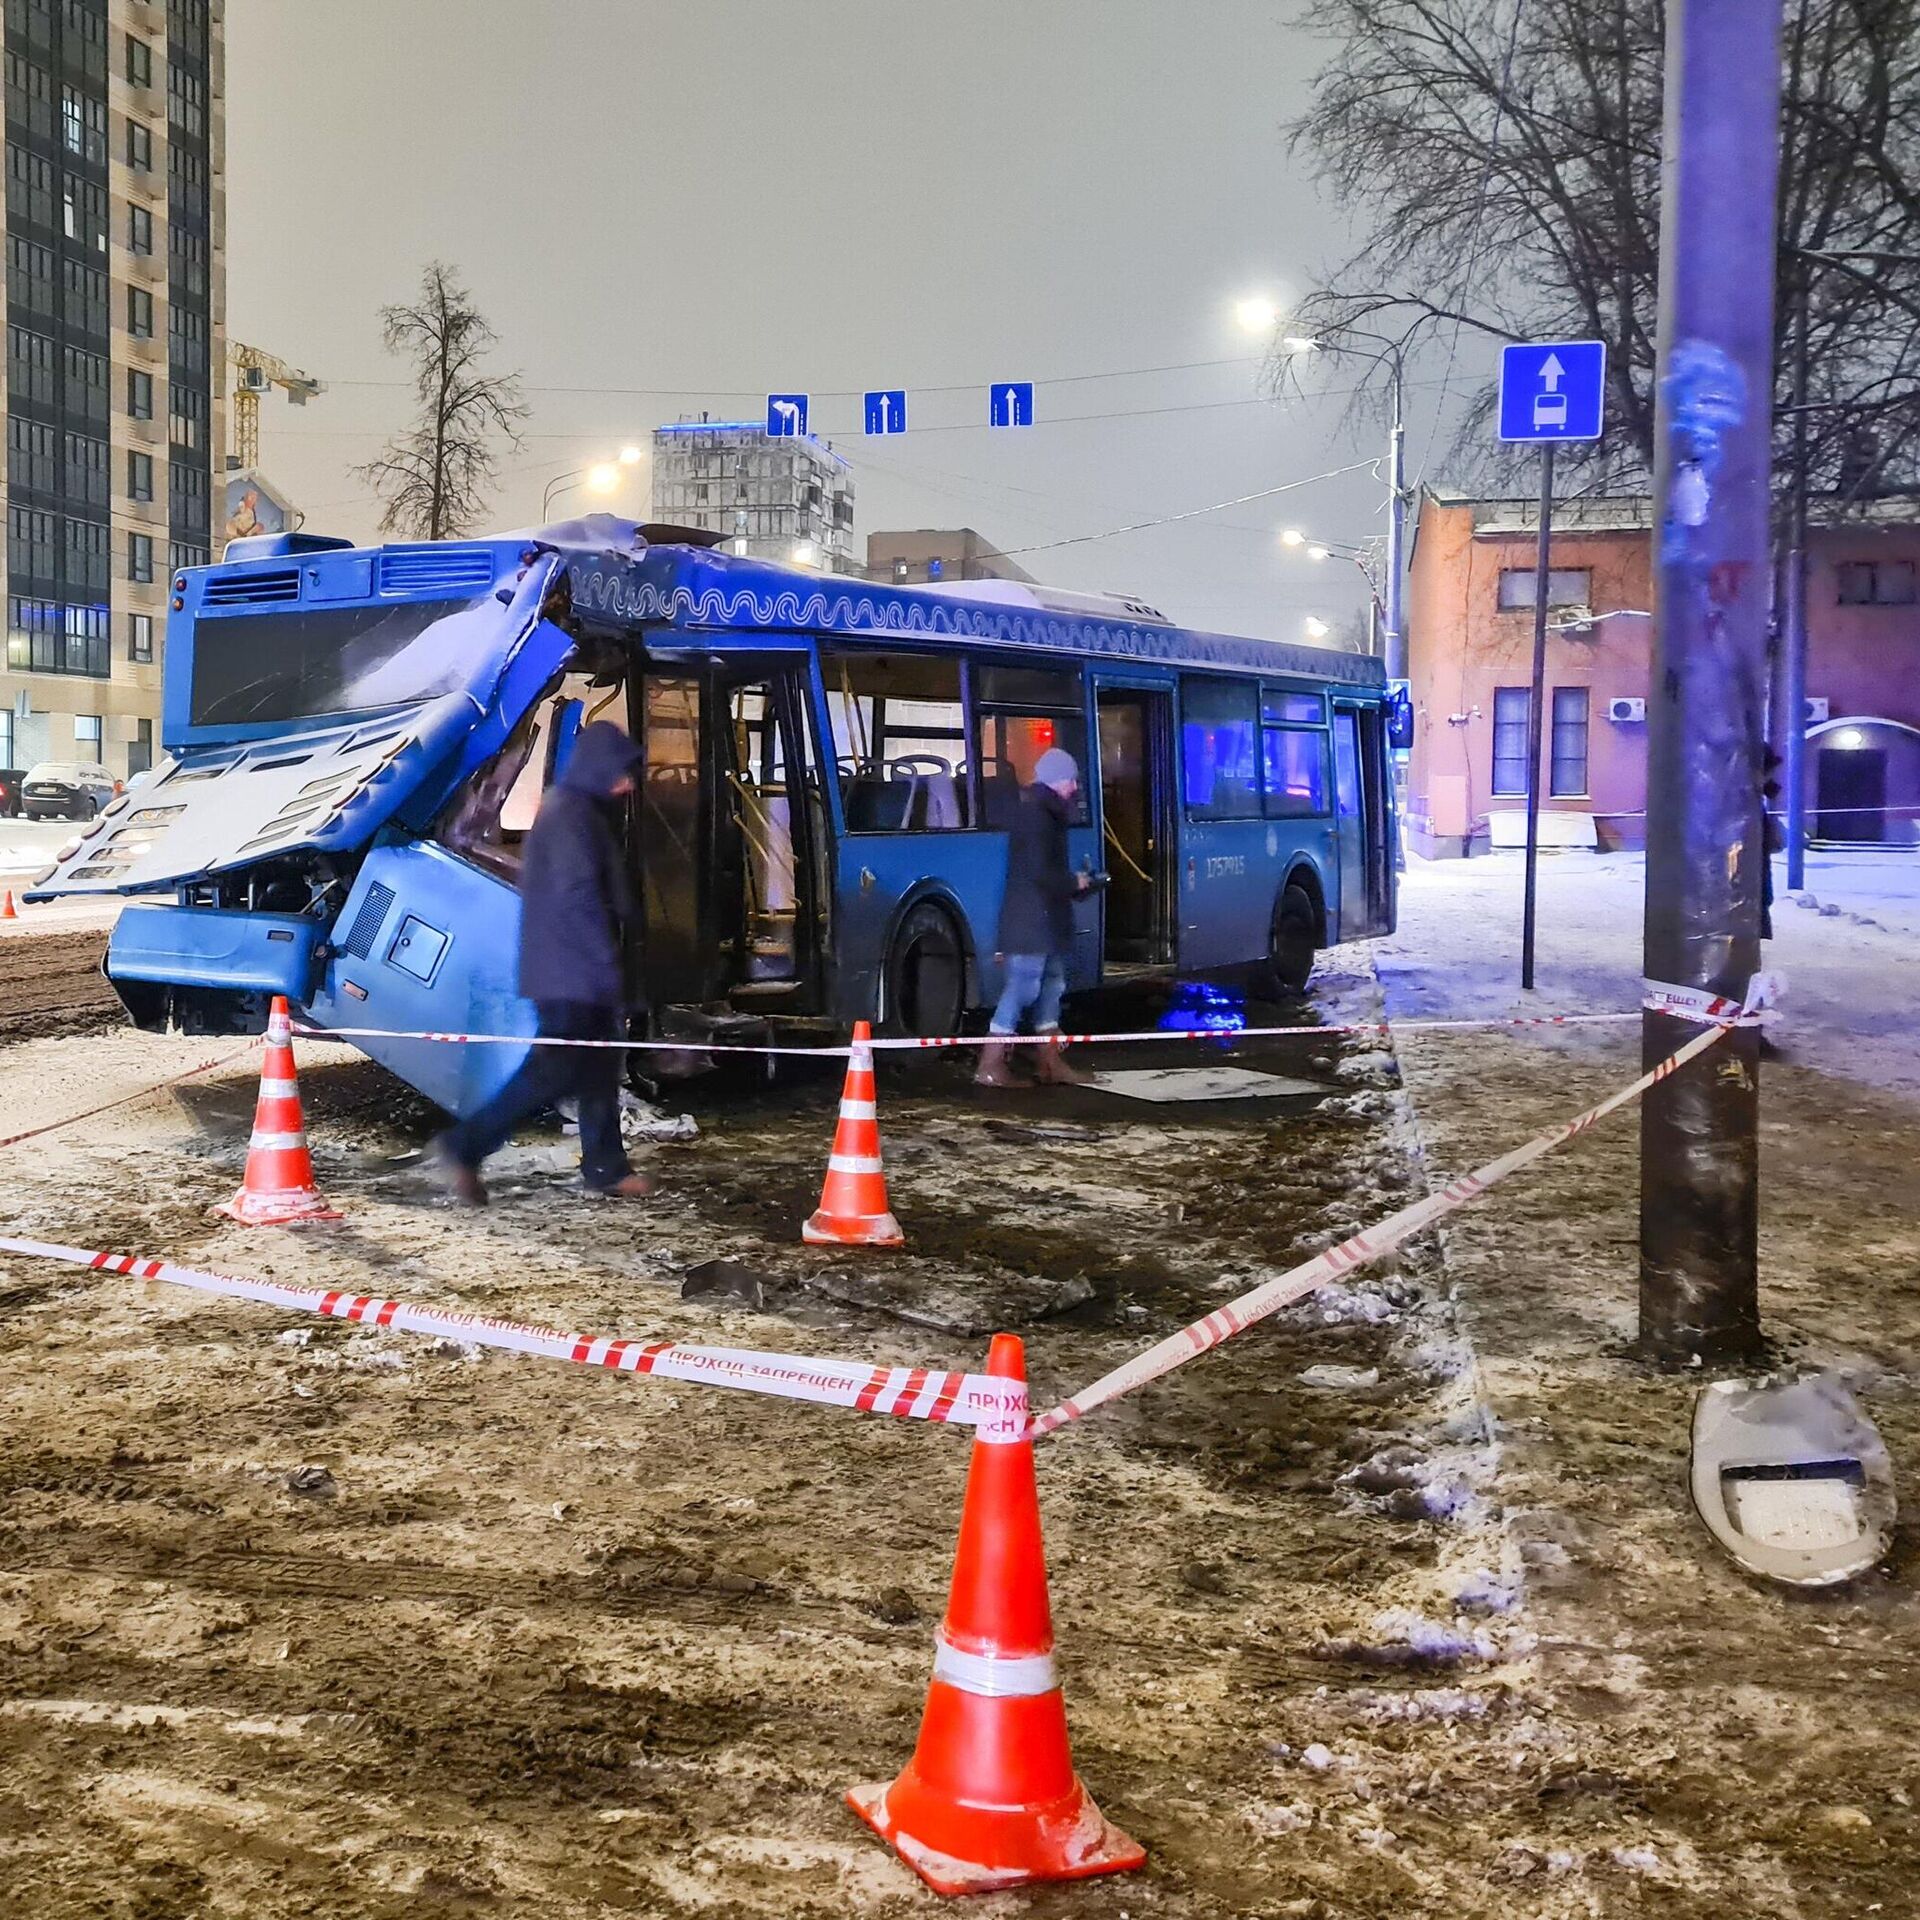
{"x":925,"y":989}
{"x":1296,"y":937}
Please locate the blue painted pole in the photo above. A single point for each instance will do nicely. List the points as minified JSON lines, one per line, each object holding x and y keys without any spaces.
{"x":1706,"y":715}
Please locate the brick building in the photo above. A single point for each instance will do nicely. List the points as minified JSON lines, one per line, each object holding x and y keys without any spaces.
{"x":1470,"y":631}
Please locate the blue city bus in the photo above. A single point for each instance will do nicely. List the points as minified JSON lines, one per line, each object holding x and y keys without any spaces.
{"x":357,"y":740}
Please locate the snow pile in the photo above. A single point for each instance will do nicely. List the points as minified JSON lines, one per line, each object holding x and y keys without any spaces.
{"x":1426,"y":1704}
{"x":1432,"y":1639}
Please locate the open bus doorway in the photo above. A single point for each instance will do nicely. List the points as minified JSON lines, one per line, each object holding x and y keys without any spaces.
{"x":1361,"y":794}
{"x":730,"y":839}
{"x":1135,"y":751}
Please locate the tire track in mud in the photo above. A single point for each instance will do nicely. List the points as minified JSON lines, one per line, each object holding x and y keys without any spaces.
{"x":51,"y":986}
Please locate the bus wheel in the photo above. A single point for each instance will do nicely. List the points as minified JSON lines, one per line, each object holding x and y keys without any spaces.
{"x":926,"y":978}
{"x":1295,"y":926}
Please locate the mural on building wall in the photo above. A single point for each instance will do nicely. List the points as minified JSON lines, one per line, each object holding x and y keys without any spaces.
{"x":252,"y":505}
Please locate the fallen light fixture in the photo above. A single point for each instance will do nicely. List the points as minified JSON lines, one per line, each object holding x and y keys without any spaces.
{"x":1792,"y":1478}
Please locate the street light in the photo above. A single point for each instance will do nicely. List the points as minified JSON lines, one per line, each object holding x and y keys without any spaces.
{"x":601,"y":476}
{"x":1256,"y":313}
{"x":1317,"y":629}
{"x":1291,"y":537}
{"x":1318,"y":553}
{"x":1390,"y":356}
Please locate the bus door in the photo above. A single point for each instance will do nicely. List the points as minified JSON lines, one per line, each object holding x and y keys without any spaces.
{"x":670,"y":834}
{"x":1136,"y":829}
{"x":768,"y":834}
{"x":1361,"y":816}
{"x":730,"y":834}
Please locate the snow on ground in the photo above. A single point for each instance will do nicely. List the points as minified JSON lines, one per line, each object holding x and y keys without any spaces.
{"x":1853,"y":992}
{"x":1767,"y":1744}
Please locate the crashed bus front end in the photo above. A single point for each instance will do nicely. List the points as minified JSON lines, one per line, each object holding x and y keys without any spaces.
{"x":328,"y":712}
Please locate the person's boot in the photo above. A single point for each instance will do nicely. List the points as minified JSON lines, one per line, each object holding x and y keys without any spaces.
{"x":460,"y":1181}
{"x":996,"y":1066}
{"x":1050,"y":1067}
{"x":630,"y":1186}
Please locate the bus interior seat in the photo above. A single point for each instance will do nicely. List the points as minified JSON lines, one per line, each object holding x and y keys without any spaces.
{"x":1000,"y":795}
{"x":876,"y":804}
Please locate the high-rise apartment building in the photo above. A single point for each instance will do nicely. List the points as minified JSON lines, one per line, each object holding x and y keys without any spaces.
{"x":779,"y":499}
{"x":116,"y":290}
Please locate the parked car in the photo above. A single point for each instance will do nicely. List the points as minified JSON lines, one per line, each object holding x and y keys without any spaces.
{"x":10,"y":778}
{"x":65,"y":790}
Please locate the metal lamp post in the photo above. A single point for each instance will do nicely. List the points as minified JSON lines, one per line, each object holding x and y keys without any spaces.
{"x":1391,"y":356}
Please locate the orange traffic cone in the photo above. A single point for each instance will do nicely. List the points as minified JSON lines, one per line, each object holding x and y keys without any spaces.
{"x":8,"y":911}
{"x":278,"y":1189}
{"x":853,"y":1209}
{"x":990,"y":1798}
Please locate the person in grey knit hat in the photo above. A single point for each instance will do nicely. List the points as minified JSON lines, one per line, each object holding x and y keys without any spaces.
{"x":1036,"y":922}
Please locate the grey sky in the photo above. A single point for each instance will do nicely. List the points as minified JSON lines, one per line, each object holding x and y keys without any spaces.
{"x":715,"y":197}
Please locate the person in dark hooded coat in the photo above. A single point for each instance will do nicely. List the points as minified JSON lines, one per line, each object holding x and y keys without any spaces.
{"x":1036,"y":923}
{"x":576,"y":904}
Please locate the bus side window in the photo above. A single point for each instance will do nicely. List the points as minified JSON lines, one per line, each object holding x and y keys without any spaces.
{"x":1021,"y":712}
{"x":899,"y":741}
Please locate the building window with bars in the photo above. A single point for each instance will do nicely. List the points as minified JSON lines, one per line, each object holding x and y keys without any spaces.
{"x":1510,"y":706}
{"x":1567,"y":770}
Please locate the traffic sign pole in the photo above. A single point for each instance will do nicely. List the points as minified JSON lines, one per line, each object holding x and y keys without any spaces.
{"x":1535,"y":710}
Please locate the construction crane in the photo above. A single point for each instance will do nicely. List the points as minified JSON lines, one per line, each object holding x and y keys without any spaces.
{"x":255,"y":373}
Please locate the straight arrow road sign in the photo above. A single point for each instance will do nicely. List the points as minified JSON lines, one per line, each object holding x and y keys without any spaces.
{"x":886,"y":411}
{"x":1010,"y":404}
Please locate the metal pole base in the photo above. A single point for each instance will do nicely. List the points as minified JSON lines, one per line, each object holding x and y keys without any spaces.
{"x":1699,"y":1201}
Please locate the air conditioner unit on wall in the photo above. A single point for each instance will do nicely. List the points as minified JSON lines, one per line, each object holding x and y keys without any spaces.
{"x":1625,"y":707}
{"x":1818,"y":708}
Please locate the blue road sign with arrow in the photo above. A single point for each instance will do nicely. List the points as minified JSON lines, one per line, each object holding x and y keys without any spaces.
{"x":1553,"y":390}
{"x":786,"y":416}
{"x":887,"y":411}
{"x":1010,"y":404}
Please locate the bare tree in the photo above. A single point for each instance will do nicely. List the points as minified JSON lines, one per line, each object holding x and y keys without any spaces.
{"x":1505,"y":156}
{"x":436,"y":477}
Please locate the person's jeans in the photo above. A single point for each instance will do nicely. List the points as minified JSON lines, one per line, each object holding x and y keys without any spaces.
{"x":1036,"y":980}
{"x":590,"y":1075}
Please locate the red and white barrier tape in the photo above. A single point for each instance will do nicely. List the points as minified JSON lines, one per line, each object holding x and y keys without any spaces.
{"x":1359,"y":1251}
{"x":1225,"y":1035}
{"x":1714,"y":1009}
{"x":127,"y":1099}
{"x":996,"y":1408}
